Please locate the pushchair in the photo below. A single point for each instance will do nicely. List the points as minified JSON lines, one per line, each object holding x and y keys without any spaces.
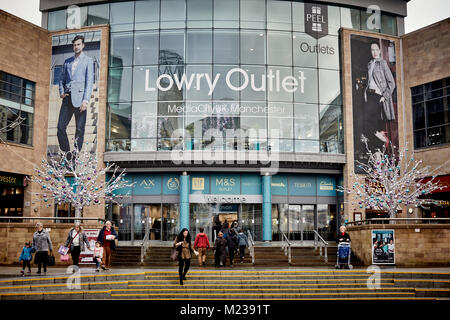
{"x":343,"y":256}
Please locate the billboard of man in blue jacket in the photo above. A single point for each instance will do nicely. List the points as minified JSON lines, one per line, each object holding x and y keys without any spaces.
{"x":75,"y":88}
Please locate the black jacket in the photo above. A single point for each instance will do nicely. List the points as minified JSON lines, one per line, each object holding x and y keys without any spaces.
{"x":220,"y":246}
{"x":232,"y":240}
{"x":345,"y":237}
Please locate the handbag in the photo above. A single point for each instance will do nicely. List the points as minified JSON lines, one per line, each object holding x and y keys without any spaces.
{"x":64,"y":257}
{"x":50,"y":260}
{"x":174,"y":255}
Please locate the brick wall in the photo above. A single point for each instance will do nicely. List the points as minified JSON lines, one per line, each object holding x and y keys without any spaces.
{"x":429,"y":247}
{"x":14,"y":235}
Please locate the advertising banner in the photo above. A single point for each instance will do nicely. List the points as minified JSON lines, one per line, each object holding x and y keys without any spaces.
{"x":374,"y":94}
{"x":74,"y":91}
{"x":87,"y":256}
{"x":383,"y":247}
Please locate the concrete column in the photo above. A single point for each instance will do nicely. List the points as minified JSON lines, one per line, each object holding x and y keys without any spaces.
{"x":184,"y":201}
{"x":267,"y":207}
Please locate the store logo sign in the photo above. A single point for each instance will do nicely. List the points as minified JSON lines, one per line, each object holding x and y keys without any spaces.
{"x":326,"y":185}
{"x":272,"y":82}
{"x":198,"y":183}
{"x":147,"y":183}
{"x":316,"y":20}
{"x":173,"y":184}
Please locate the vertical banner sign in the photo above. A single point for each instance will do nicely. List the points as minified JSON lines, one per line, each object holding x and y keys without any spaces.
{"x":74,"y":91}
{"x":383,"y":247}
{"x":87,"y":256}
{"x":316,"y":20}
{"x":374,"y":96}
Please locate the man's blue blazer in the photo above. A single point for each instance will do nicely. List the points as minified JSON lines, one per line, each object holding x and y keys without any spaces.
{"x":81,"y":83}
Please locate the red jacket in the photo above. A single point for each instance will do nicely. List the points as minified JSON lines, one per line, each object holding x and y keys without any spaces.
{"x":201,"y":241}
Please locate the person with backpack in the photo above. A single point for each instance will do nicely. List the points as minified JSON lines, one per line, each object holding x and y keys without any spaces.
{"x":225,"y":229}
{"x":243,"y":243}
{"x":201,"y":244}
{"x":26,"y":257}
{"x":232,"y":242}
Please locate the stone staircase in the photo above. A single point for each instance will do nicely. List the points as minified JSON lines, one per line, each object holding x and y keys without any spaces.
{"x":265,"y":256}
{"x":231,"y":285}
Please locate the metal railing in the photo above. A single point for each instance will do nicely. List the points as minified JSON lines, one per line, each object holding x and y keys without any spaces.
{"x":394,"y":220}
{"x":286,"y":246}
{"x":73,"y":219}
{"x":323,"y":244}
{"x":251,"y":246}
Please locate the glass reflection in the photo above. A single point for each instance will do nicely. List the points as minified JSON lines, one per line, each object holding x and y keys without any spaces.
{"x":146,"y":15}
{"x":331,"y":127}
{"x":329,"y":87}
{"x":279,"y":48}
{"x":121,"y":16}
{"x":226,"y":14}
{"x":121,"y":50}
{"x":173,"y":14}
{"x":279,"y":15}
{"x":146,"y":47}
{"x":253,"y":14}
{"x":199,"y":46}
{"x":226,"y":46}
{"x":119,"y":84}
{"x":253,"y":47}
{"x":199,"y":13}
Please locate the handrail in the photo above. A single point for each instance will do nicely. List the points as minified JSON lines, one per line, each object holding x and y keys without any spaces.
{"x":286,"y":245}
{"x":52,"y":218}
{"x":324,"y":244}
{"x":252,"y":247}
{"x":369,"y":221}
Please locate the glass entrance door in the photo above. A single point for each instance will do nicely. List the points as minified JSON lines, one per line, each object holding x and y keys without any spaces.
{"x":301,"y":222}
{"x":140,"y":221}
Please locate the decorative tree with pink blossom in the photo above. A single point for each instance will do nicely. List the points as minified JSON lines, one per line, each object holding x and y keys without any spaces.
{"x":390,"y":181}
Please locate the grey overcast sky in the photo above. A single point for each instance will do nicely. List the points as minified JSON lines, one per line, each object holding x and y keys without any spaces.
{"x":420,"y":12}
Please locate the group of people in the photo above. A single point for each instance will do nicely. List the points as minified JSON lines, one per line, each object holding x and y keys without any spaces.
{"x":76,"y":242}
{"x":228,"y":240}
{"x":384,"y":249}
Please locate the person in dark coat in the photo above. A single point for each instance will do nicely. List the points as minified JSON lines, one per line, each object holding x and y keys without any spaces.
{"x":220,"y":247}
{"x":217,"y":226}
{"x":184,"y":247}
{"x":225,"y":229}
{"x":107,"y":238}
{"x":232,"y":242}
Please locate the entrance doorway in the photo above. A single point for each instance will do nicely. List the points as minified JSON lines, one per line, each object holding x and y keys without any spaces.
{"x":134,"y":221}
{"x":247,"y":216}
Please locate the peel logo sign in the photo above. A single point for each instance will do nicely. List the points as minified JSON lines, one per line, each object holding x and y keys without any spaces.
{"x":316,"y":20}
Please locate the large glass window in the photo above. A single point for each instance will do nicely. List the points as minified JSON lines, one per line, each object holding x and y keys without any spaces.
{"x":144,"y":83}
{"x":226,"y":14}
{"x":56,"y":20}
{"x":98,"y":14}
{"x":329,"y":87}
{"x":122,"y":16}
{"x":199,"y":90}
{"x":253,"y":47}
{"x":146,"y":15}
{"x":143,"y":126}
{"x":16,"y":108}
{"x":119,"y":84}
{"x":431,"y":113}
{"x":253,"y":14}
{"x":329,"y":52}
{"x":119,"y":122}
{"x":199,"y":46}
{"x":199,"y":13}
{"x":298,"y":16}
{"x":307,"y":90}
{"x":226,"y":46}
{"x":173,"y":14}
{"x":279,"y":15}
{"x":388,"y":24}
{"x":350,"y":18}
{"x":305,"y":50}
{"x":279,"y":48}
{"x":334,"y":20}
{"x":146,"y":47}
{"x":331,"y":126}
{"x":306,"y":126}
{"x":121,"y":49}
{"x":171,"y":47}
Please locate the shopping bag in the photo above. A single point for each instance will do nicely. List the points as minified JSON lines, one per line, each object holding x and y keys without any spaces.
{"x":63,"y":250}
{"x":65,"y":257}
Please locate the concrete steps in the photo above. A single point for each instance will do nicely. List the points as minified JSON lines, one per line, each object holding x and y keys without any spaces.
{"x":231,"y":285}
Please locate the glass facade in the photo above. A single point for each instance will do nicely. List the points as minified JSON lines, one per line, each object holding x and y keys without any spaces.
{"x":16,"y":101}
{"x":431,"y":113}
{"x":175,"y":57}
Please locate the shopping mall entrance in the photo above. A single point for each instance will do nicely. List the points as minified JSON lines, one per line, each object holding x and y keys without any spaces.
{"x":134,"y":220}
{"x":207,"y":215}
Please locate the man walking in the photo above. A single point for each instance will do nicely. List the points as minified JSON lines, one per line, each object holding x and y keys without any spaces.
{"x":75,"y":88}
{"x":201,"y":243}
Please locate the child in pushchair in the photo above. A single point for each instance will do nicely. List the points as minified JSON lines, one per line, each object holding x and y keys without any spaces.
{"x":343,"y":250}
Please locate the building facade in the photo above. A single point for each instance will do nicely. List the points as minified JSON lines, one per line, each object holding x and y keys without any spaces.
{"x":234,"y":109}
